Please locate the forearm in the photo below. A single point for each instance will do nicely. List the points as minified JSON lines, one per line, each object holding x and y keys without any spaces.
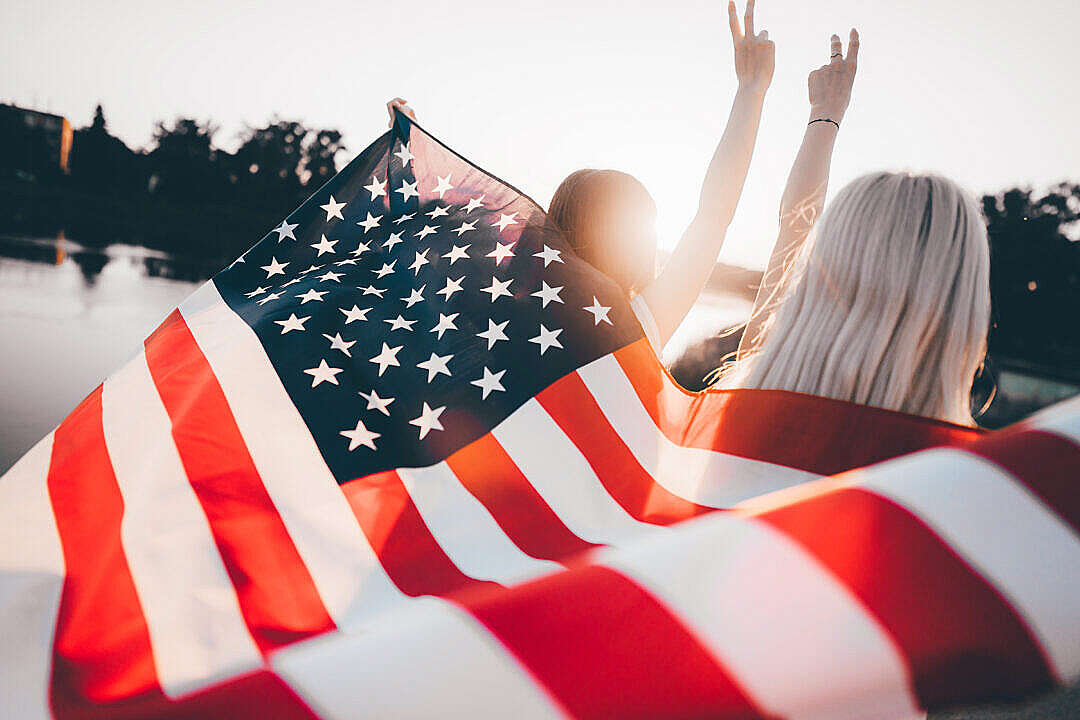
{"x":680,"y":283}
{"x":802,"y":203}
{"x":730,"y":162}
{"x":804,"y":194}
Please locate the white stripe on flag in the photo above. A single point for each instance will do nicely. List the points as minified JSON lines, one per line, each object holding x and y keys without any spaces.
{"x":31,"y":578}
{"x":1062,"y":418}
{"x":959,"y":495}
{"x":465,"y":530}
{"x":197,"y":632}
{"x":562,"y":476}
{"x":791,"y":634}
{"x":350,"y":580}
{"x":429,"y":660}
{"x":703,"y":476}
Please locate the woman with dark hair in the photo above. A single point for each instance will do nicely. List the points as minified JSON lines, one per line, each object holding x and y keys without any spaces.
{"x":609,"y":218}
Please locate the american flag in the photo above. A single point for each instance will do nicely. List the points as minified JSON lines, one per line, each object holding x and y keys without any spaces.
{"x":409,"y":456}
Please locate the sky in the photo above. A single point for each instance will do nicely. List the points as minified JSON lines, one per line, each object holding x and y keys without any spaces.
{"x":982,"y":91}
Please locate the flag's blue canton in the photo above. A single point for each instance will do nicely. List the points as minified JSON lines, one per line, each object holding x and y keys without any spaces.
{"x":415,"y":301}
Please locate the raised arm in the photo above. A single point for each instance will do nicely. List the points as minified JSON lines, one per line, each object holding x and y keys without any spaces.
{"x":804,"y":196}
{"x":675,"y":290}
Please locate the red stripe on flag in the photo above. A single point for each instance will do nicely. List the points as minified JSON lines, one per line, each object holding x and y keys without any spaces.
{"x":926,"y":597}
{"x":278,"y":597}
{"x":401,"y":539}
{"x":605,"y":648}
{"x":816,"y":431}
{"x":486,"y":471}
{"x":573,"y":408}
{"x":101,"y":650}
{"x":1047,"y":464}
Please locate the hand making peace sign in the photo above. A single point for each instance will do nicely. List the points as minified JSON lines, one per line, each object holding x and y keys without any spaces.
{"x":755,"y":55}
{"x":830,"y":85}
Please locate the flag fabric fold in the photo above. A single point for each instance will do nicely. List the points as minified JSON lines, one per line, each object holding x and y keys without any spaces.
{"x":409,"y":454}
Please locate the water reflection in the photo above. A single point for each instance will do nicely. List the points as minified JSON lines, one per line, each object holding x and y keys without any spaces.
{"x":69,"y":316}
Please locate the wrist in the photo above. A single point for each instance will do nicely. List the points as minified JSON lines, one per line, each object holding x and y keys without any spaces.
{"x":751,"y":91}
{"x":820,"y":111}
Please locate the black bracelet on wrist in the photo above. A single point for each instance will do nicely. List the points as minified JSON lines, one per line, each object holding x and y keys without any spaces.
{"x":825,"y":120}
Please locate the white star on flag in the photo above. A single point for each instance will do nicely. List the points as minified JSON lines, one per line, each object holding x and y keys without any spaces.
{"x":465,"y":227}
{"x":268,"y":298}
{"x":435,"y":365}
{"x":310,"y":295}
{"x":324,"y":245}
{"x":360,"y":249}
{"x":408,"y":190}
{"x":489,"y":382}
{"x":257,"y":291}
{"x":369,"y":222}
{"x":333,"y":209}
{"x":415,"y":296}
{"x":394,"y":239}
{"x":274,"y":268}
{"x":446,"y":322}
{"x":330,"y":275}
{"x":452,"y":286}
{"x":599,"y":312}
{"x":547,"y":293}
{"x":457,"y":253}
{"x":376,"y":188}
{"x":547,"y":338}
{"x":428,"y":420}
{"x":355,"y":314}
{"x":361,"y":436}
{"x":428,"y":229}
{"x":374,"y":402}
{"x":550,"y":255}
{"x":443,"y":186}
{"x":420,"y":261}
{"x":386,"y":269}
{"x":473,"y":204}
{"x":494,"y":333}
{"x":387,"y":357}
{"x":501,"y":252}
{"x":505,"y":220}
{"x":400,"y":323}
{"x":293,"y":323}
{"x":323,"y":373}
{"x":403,"y":218}
{"x":339,"y":343}
{"x":438,"y":212}
{"x":404,"y":154}
{"x":285,"y":230}
{"x":498,"y":288}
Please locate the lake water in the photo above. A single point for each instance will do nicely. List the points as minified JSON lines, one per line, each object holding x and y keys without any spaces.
{"x":70,"y":316}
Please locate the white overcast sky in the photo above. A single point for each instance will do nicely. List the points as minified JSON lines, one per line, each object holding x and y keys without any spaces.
{"x":983,"y":91}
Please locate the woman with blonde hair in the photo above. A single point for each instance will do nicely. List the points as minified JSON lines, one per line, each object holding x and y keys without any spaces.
{"x":885,"y":300}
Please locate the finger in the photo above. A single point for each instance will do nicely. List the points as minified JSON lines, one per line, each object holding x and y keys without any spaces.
{"x":763,"y":36}
{"x":733,"y":21}
{"x":853,"y":48}
{"x":836,"y":49}
{"x":748,"y":20}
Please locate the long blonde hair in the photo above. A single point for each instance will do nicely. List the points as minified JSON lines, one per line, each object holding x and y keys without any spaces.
{"x":888,"y":303}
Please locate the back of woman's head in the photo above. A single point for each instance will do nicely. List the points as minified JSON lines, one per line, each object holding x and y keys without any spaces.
{"x":887,"y":305}
{"x":608,"y":219}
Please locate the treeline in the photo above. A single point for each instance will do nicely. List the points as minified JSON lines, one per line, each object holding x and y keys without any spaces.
{"x":182,"y":194}
{"x":205,"y":205}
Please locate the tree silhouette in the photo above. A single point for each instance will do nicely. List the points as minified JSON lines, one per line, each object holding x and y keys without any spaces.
{"x":102,"y":163}
{"x":1035,"y":275}
{"x":184,"y":163}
